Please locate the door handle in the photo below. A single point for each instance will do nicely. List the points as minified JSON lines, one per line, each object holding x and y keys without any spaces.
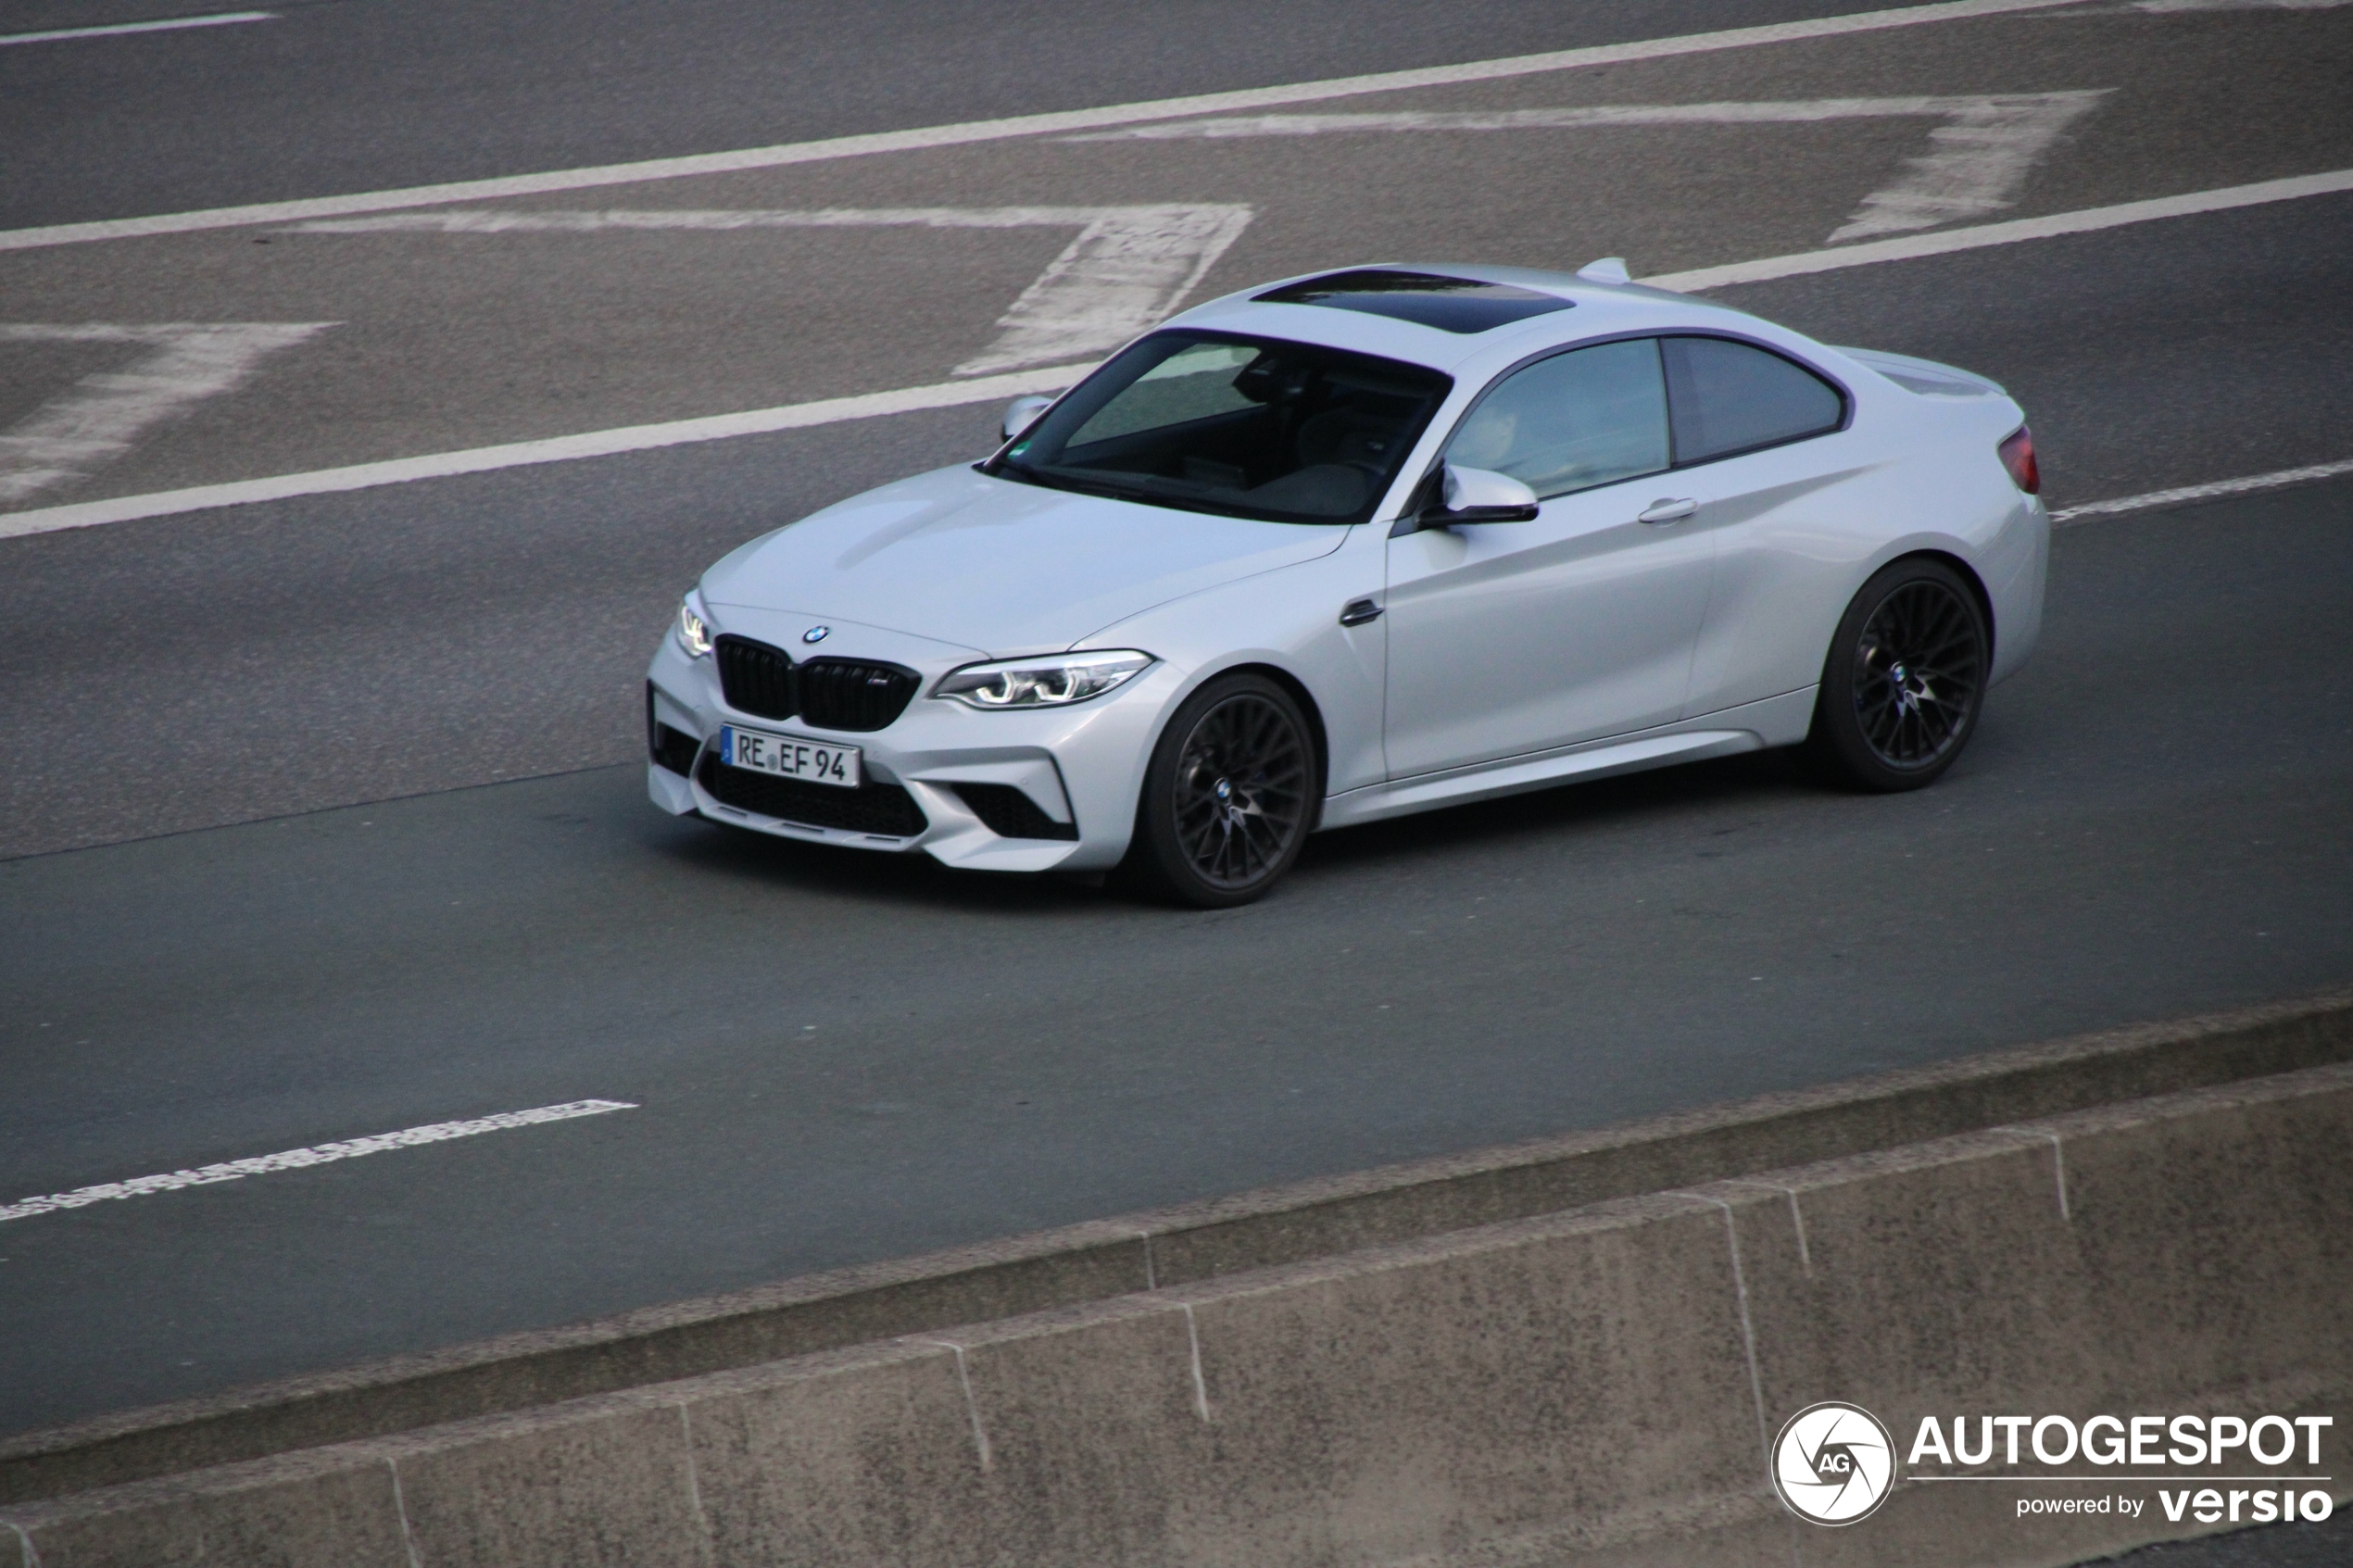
{"x":1358,"y":612}
{"x":1666,"y":510}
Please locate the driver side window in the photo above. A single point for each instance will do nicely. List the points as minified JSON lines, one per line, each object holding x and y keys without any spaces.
{"x":1588,"y":417}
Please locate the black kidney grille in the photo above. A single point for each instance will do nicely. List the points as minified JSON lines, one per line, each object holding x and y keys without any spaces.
{"x":851,"y":694}
{"x":880,"y":808}
{"x":834,"y":693}
{"x":757,"y":678}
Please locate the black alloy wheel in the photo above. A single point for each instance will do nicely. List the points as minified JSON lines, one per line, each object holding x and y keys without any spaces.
{"x":1228,"y":795}
{"x":1905,"y":680}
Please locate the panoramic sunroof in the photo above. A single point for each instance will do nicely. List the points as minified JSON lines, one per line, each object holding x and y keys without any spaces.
{"x":1451,"y":305}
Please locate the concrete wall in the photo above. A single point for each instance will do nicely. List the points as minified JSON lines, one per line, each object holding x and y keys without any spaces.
{"x":1594,"y":1385}
{"x":1110,"y":1258}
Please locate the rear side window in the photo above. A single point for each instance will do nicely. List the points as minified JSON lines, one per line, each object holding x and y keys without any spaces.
{"x":1728,"y":397}
{"x":1572,"y":422}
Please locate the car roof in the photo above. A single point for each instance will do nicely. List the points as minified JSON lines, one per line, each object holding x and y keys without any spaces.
{"x":1596,"y":310}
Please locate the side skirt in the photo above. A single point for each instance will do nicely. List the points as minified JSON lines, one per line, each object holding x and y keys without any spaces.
{"x":1777,"y":720}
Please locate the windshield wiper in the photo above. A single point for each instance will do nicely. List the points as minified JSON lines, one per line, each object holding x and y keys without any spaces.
{"x":1052,"y":479}
{"x":1061,"y":479}
{"x":1147,"y":495}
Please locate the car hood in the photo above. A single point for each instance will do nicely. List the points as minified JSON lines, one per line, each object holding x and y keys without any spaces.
{"x":1001,"y":567}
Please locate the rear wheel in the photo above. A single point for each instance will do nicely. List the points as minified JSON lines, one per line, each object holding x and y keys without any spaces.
{"x":1228,"y":793}
{"x":1904,"y":681}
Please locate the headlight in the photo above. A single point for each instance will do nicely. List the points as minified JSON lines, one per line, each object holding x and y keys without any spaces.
{"x":1054,"y":681}
{"x":694,"y":630}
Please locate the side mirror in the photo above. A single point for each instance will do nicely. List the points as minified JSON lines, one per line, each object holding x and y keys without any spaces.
{"x":1022,"y":412}
{"x":1481,"y":496}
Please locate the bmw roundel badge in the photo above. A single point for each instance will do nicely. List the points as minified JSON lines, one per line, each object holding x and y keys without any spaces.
{"x":815,"y":633}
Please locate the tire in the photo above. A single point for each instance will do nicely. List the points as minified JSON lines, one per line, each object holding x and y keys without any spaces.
{"x":1904,"y":681}
{"x":1228,"y":795}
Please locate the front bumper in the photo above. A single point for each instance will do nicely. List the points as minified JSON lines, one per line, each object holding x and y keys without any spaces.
{"x":1076,"y":772}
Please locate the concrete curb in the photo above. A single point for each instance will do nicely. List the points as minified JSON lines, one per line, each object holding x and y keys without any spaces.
{"x":1107,"y":1258}
{"x":1592,"y":1387}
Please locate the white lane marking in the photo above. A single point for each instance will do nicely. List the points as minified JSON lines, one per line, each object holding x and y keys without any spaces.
{"x":1977,"y":160}
{"x":1912,"y":246}
{"x":555,"y":449}
{"x":224,"y":19}
{"x":1127,"y":268}
{"x":1015,"y":126}
{"x":1124,"y":272}
{"x":1735,"y":112}
{"x":97,"y":420}
{"x":835,"y":411}
{"x":561,"y":221}
{"x":317,"y":1154}
{"x":2182,"y":495}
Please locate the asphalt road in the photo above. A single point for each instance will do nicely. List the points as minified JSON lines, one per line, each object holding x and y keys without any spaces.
{"x":844,"y":1058}
{"x":339,"y":95}
{"x":841,"y":1057}
{"x":423,"y":342}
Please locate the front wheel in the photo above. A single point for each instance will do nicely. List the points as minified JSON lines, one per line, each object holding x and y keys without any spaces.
{"x":1905,"y":680}
{"x":1228,"y":793}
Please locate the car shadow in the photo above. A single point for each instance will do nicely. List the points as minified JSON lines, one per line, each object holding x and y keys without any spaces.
{"x":713,"y":849}
{"x":1597,"y":803}
{"x":716,"y":849}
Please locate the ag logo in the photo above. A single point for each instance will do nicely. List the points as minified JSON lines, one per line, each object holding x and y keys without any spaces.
{"x":1833,"y":1464}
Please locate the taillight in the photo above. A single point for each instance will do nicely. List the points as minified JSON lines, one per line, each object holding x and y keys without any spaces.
{"x":2018,"y":455}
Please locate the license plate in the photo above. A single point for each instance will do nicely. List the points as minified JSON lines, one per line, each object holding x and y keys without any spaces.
{"x":789,"y":757}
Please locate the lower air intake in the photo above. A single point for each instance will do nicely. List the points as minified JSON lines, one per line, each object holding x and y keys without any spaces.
{"x":675,"y":750}
{"x":671,"y":749}
{"x":1009,"y":813}
{"x":882,"y":810}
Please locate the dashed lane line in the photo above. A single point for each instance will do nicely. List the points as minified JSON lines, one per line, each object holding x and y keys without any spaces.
{"x":1015,"y":126}
{"x":316,"y":1154}
{"x":116,"y":30}
{"x":2182,"y":495}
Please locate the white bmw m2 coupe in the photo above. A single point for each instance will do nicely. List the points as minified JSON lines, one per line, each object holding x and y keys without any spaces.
{"x":1361,"y":544}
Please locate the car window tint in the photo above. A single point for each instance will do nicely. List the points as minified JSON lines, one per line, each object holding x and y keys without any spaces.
{"x":1194,"y":383}
{"x":1571,"y":422}
{"x":1731,"y":396}
{"x":1247,"y":427}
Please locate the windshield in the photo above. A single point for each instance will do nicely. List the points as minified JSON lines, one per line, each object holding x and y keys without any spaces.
{"x":1246,"y":427}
